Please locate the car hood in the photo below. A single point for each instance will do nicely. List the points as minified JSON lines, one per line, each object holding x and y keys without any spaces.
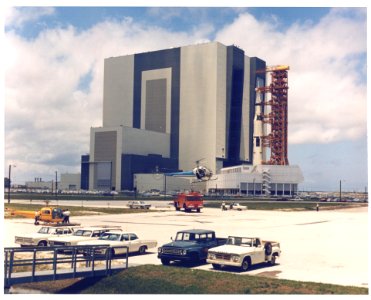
{"x":232,"y":249}
{"x":34,"y":235}
{"x":181,"y":244}
{"x":71,"y":238}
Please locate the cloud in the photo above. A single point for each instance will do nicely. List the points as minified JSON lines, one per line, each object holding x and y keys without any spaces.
{"x":327,"y":86}
{"x":54,"y":88}
{"x":18,"y":17}
{"x":54,"y":81}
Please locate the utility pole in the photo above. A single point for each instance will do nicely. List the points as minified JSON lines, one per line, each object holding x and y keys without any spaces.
{"x":56,"y":184}
{"x":10,"y":181}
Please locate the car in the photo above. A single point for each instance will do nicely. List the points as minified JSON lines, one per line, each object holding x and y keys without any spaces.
{"x":81,"y":234}
{"x":237,"y":206}
{"x":41,"y":237}
{"x":189,"y":246}
{"x":117,"y":238}
{"x":138,"y":205}
{"x":243,"y":252}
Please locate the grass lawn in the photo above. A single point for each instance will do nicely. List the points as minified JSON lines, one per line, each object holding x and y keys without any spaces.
{"x":75,"y":210}
{"x":158,"y":279}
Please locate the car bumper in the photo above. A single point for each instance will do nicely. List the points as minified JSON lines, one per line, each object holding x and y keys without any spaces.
{"x":224,"y":262}
{"x":175,"y":257}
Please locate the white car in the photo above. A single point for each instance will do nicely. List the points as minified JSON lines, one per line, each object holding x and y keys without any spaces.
{"x":41,"y":237}
{"x":117,"y":238}
{"x":243,"y":252}
{"x":237,"y":206}
{"x":81,"y":234}
{"x":138,"y":204}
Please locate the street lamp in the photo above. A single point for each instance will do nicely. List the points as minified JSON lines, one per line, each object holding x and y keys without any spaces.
{"x":10,"y":182}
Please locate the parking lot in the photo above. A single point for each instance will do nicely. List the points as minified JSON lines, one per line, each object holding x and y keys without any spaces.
{"x":329,"y":246}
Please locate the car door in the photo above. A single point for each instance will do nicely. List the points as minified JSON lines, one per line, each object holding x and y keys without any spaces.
{"x":124,"y":241}
{"x":259,"y":255}
{"x":134,"y":243}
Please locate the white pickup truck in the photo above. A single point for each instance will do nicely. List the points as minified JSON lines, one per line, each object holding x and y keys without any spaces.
{"x":117,"y":239}
{"x":41,"y":237}
{"x":243,"y":252}
{"x":81,"y":234}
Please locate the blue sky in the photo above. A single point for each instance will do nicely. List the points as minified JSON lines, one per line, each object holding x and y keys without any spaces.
{"x":54,"y":78}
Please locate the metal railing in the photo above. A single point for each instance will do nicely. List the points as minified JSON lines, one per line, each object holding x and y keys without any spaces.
{"x":24,"y":265}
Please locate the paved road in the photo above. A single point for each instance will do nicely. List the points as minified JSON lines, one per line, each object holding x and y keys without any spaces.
{"x":324,"y":246}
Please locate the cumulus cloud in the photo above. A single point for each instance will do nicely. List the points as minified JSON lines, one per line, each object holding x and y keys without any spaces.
{"x":327,"y":86}
{"x":17,"y":17}
{"x":54,"y":82}
{"x":48,"y":113}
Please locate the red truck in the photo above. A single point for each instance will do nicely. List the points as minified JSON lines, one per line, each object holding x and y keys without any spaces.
{"x":189,"y":201}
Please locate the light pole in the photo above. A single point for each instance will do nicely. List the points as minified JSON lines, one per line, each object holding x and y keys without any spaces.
{"x":10,"y":182}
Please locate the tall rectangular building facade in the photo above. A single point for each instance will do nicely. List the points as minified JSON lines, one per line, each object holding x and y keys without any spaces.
{"x":164,"y":110}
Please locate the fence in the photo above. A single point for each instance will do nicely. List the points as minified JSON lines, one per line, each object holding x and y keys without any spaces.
{"x":25,"y":265}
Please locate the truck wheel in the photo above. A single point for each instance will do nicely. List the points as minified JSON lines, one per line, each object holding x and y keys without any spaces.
{"x":268,"y":248}
{"x":142,"y":249}
{"x":246,"y":264}
{"x":272,"y":262}
{"x":165,"y":261}
{"x":42,"y":244}
{"x":216,"y":266}
{"x":198,"y":210}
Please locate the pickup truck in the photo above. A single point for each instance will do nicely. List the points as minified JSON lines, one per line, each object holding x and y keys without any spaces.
{"x":243,"y":252}
{"x":117,"y":239}
{"x":41,"y":237}
{"x":138,"y":204}
{"x":81,"y":234}
{"x":189,"y":246}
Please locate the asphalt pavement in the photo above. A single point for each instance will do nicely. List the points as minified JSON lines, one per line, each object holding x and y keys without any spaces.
{"x":329,"y":246}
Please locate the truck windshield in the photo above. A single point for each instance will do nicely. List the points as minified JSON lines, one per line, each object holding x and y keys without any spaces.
{"x":240,"y":241}
{"x":193,"y":198}
{"x":187,"y":236}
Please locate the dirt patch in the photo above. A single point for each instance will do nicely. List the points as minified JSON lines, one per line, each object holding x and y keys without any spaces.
{"x":269,"y":274}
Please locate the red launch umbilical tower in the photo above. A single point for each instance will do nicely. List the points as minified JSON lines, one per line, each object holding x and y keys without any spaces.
{"x":277,"y":117}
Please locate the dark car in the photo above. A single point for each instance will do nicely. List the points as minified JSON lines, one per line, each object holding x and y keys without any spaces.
{"x":189,"y":246}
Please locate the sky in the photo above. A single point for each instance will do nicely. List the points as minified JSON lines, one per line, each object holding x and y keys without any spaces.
{"x":53,"y":78}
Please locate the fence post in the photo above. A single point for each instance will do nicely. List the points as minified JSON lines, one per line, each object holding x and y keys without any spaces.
{"x":33,"y":264}
{"x":55,"y":263}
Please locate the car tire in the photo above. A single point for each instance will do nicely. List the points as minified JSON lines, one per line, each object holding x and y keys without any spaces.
{"x":142,"y":249}
{"x":272,"y":262}
{"x":216,"y":266}
{"x":42,"y":244}
{"x":165,"y":261}
{"x":246,"y":264}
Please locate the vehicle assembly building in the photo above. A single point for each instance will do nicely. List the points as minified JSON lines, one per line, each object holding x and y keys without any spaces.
{"x":165,"y":110}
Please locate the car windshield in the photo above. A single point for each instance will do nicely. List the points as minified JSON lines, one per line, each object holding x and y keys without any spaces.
{"x":83,"y":233}
{"x":44,"y":230}
{"x":240,"y":241}
{"x":110,"y":237}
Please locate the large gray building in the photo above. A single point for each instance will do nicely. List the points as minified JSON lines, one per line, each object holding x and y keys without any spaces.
{"x":167,"y":109}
